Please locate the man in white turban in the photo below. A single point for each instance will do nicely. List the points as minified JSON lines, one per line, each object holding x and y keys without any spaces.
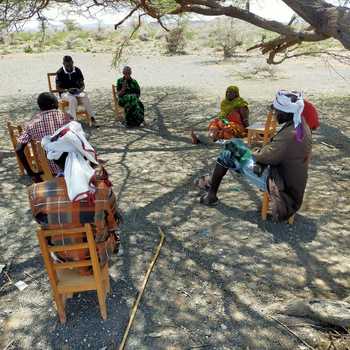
{"x":285,"y":160}
{"x":79,"y":194}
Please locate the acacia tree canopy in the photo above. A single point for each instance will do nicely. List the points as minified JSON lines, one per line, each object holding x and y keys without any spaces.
{"x":325,"y":20}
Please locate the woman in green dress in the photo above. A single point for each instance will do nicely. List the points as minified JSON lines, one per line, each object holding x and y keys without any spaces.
{"x":129,"y":93}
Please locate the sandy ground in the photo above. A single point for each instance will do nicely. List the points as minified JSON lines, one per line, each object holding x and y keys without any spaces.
{"x":26,"y":74}
{"x":221,"y":267}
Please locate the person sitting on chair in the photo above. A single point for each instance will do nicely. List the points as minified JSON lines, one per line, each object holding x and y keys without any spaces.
{"x":232,"y":121}
{"x":280,"y":167}
{"x":46,"y":122}
{"x":80,"y":194}
{"x":70,"y":85}
{"x":129,"y":93}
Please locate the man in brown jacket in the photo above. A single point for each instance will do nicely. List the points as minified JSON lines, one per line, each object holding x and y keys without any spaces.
{"x":285,"y":160}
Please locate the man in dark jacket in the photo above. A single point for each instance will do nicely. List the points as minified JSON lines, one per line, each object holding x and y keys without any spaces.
{"x":70,"y":84}
{"x":285,"y":159}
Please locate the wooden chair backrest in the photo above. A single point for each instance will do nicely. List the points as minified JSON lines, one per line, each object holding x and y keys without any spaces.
{"x":64,"y":277}
{"x":270,"y":127}
{"x":51,"y":77}
{"x":119,"y":111}
{"x":15,"y":131}
{"x":41,"y":160}
{"x":54,"y":267}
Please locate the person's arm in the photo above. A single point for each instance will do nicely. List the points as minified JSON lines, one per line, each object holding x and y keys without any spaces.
{"x":244,"y":113}
{"x":121,"y":87}
{"x":58,"y":81}
{"x":80,"y":82}
{"x":274,"y":152}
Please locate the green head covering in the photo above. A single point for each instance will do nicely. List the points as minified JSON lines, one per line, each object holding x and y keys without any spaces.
{"x":233,"y":88}
{"x":228,"y":106}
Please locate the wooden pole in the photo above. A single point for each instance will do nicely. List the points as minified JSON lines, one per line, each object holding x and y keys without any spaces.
{"x":140,"y":293}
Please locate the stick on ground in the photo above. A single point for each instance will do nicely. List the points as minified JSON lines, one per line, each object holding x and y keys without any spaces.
{"x":140,"y":293}
{"x":295,"y":335}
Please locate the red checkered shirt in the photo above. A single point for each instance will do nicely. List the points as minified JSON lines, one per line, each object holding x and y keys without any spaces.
{"x":43,"y":124}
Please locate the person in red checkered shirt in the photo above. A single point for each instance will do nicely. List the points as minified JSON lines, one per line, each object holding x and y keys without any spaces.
{"x":46,"y":122}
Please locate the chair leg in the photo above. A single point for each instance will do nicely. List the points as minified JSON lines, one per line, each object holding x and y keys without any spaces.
{"x":265,"y":206}
{"x":101,"y":295}
{"x":59,"y":300}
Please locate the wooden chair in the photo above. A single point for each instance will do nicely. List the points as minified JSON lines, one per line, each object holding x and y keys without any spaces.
{"x":15,"y":131}
{"x":63,"y":104}
{"x":265,"y":208}
{"x":269,"y":132}
{"x":118,"y":110}
{"x":262,"y":132}
{"x":41,"y":160}
{"x":65,"y":278}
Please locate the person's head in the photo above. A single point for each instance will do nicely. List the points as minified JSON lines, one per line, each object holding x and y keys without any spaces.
{"x":281,"y":115}
{"x":232,"y":92}
{"x":47,"y":101}
{"x":68,"y":63}
{"x":127,"y":72}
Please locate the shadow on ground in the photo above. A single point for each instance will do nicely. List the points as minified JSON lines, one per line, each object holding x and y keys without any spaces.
{"x":219,"y":268}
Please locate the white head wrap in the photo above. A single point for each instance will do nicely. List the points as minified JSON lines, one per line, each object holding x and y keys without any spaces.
{"x":77,"y":172}
{"x":284,"y":103}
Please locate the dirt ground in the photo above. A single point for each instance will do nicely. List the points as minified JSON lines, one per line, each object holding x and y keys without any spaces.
{"x":220,"y":268}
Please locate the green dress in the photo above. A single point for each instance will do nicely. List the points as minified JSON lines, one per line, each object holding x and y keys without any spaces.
{"x":130,"y":101}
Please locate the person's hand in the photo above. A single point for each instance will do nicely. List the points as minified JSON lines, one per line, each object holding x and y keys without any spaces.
{"x":36,"y":177}
{"x":256,"y":150}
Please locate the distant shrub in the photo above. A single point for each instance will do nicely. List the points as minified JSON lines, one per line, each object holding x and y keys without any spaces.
{"x":175,"y":40}
{"x":28,"y":49}
{"x":226,"y":37}
{"x":100,"y":36}
{"x":70,"y":25}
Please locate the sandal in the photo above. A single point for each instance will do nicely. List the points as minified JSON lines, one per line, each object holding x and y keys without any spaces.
{"x":203,"y":182}
{"x":205,"y":201}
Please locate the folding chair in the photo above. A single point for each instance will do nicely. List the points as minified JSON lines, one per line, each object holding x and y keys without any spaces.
{"x":118,"y":110}
{"x":65,"y":278}
{"x":15,"y":131}
{"x":63,"y":104}
{"x":41,"y":160}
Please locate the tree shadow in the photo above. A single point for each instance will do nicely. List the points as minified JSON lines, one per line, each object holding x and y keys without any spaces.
{"x":219,"y":268}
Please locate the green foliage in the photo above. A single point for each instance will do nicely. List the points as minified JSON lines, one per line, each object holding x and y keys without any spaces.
{"x":28,"y":49}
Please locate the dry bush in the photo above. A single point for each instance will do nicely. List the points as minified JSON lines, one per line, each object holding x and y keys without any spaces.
{"x":225,"y":37}
{"x":175,"y":40}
